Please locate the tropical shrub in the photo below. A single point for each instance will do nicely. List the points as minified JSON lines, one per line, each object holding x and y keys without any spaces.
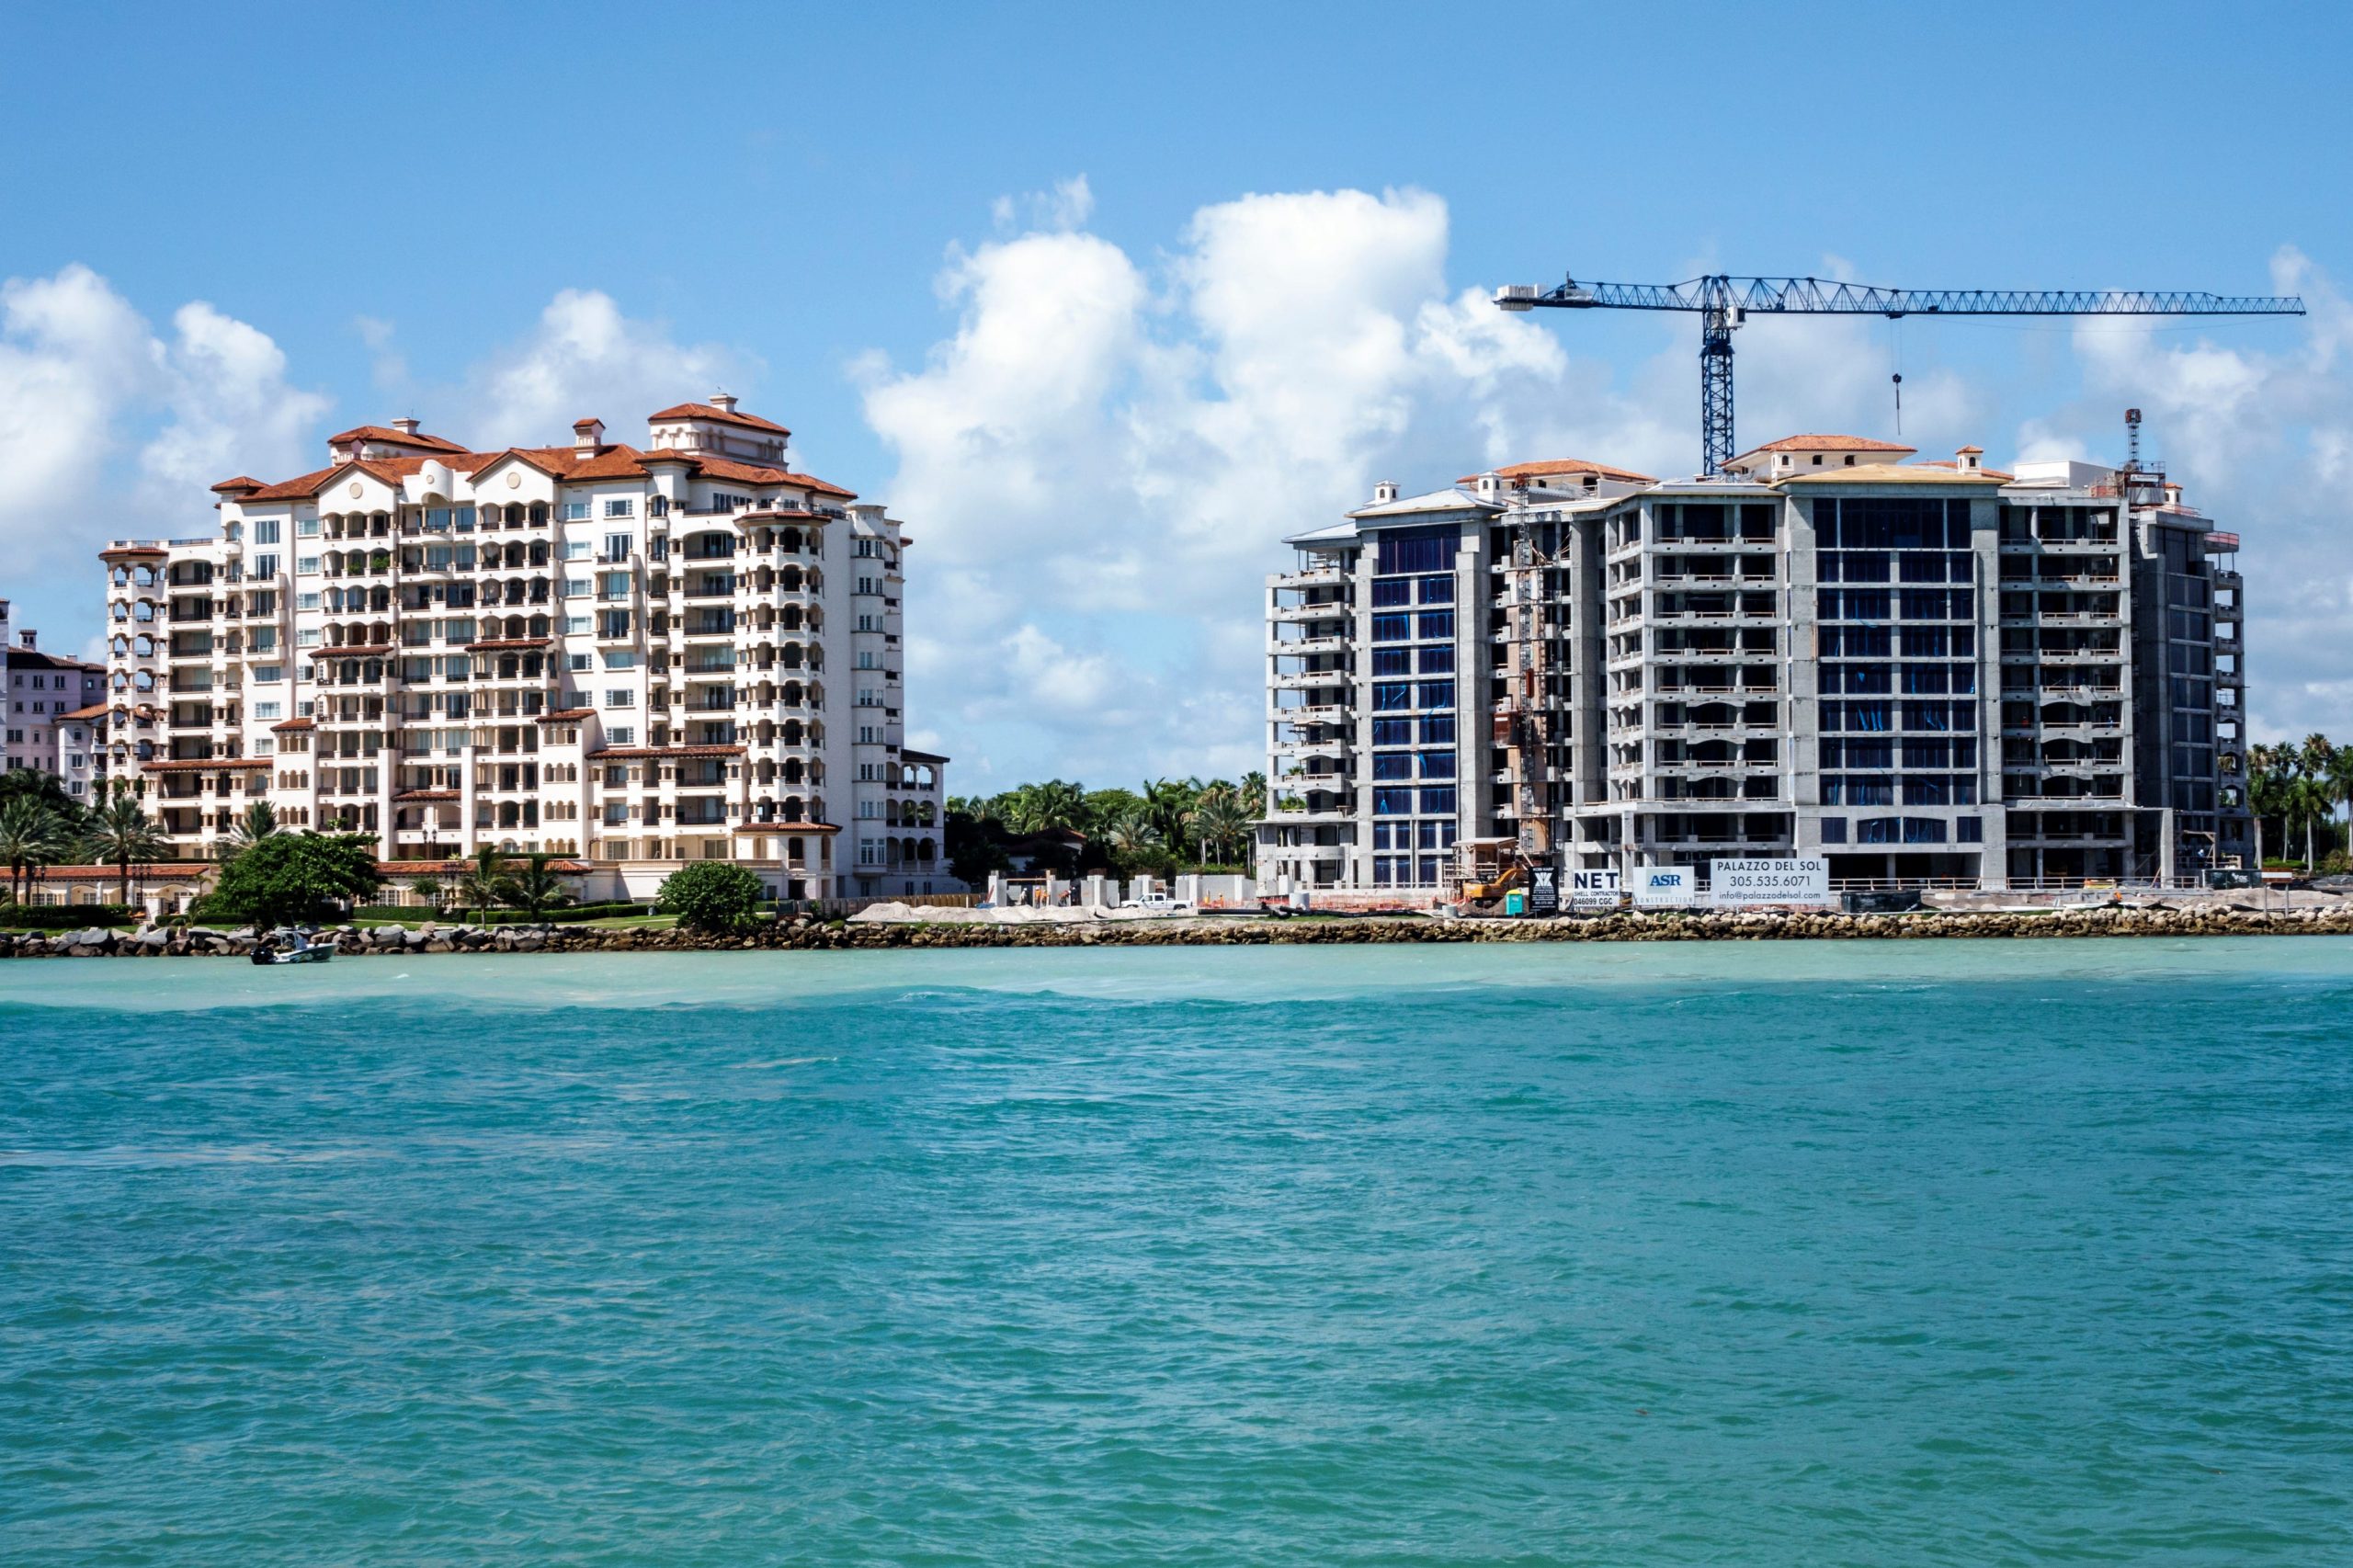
{"x":712,"y":896}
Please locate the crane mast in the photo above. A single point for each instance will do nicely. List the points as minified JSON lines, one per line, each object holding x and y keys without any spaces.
{"x":1722,"y":303}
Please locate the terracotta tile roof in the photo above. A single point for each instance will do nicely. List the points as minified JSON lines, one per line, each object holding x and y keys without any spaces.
{"x":435,"y":868}
{"x":356,"y":650}
{"x":611,"y":463}
{"x":500,"y":645}
{"x":787,"y":829}
{"x":297,"y":724}
{"x":139,"y":869}
{"x":717,"y":415}
{"x":379,"y":433}
{"x":242,"y":482}
{"x":96,"y":710}
{"x":32,"y":659}
{"x":426,"y":795}
{"x":567,"y":715}
{"x":209,"y":765}
{"x":1564,"y":465}
{"x":112,"y":551}
{"x":753,"y":473}
{"x":638,"y":754}
{"x":1832,"y":444}
{"x":300,"y":488}
{"x":1949,"y":464}
{"x":554,"y":461}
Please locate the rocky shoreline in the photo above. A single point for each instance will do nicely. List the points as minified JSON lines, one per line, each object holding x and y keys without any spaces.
{"x":809,"y":934}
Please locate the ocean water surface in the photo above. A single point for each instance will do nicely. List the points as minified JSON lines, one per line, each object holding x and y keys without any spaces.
{"x":1754,"y":1253}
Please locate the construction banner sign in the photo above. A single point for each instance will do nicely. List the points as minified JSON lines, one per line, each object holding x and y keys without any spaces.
{"x":1732,"y":883}
{"x":1594,"y":889}
{"x":1665,"y":887}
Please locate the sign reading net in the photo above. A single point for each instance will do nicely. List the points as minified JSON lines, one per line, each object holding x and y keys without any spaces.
{"x":1734,"y":883}
{"x":1594,"y":889}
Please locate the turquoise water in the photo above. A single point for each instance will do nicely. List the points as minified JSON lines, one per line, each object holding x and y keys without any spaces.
{"x":1921,"y":1252}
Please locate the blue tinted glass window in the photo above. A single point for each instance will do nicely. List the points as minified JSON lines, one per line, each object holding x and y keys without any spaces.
{"x":1436,"y":623}
{"x":1437,"y":661}
{"x":1438,"y":729}
{"x":1833,"y":830}
{"x":1388,"y":591}
{"x":1437,"y":590}
{"x":1392,"y":732}
{"x":1438,"y":694}
{"x":1925,"y":679}
{"x":1416,"y":550}
{"x":1392,"y":628}
{"x":1438,"y":764}
{"x":1393,"y":661}
{"x":1392,"y":802}
{"x":1389,"y":697}
{"x":1393,"y":765}
{"x":1438,"y":802}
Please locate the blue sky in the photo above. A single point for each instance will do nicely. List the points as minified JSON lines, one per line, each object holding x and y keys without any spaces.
{"x":998,"y":266}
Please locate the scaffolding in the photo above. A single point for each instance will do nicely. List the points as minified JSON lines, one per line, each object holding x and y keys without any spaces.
{"x":1483,"y":869}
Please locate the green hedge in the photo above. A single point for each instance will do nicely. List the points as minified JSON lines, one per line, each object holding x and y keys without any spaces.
{"x":412,"y":915}
{"x":63,"y":918}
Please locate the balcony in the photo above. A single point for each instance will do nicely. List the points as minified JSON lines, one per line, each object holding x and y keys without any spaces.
{"x":1314,"y":577}
{"x":1329,"y":610}
{"x":1309,"y":680}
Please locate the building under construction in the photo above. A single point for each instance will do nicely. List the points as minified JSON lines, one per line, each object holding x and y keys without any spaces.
{"x":1927,"y":673}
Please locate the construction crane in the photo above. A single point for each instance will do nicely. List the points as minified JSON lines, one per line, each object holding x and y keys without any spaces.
{"x":1722,"y":305}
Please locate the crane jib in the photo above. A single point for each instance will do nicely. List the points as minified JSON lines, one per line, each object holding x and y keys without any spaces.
{"x":1722,"y":300}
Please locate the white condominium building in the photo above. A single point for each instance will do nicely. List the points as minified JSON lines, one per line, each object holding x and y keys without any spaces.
{"x":1924,"y":673}
{"x":628,"y":656}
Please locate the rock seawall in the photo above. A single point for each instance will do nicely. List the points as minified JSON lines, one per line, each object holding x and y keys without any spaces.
{"x":806,"y":934}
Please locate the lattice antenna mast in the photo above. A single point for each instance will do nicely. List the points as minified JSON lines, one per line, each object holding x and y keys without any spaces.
{"x":1722,"y":303}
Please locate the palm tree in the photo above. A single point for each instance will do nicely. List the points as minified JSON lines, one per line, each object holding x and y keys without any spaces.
{"x":1253,"y":792}
{"x":2340,"y":784}
{"x":122,"y":831}
{"x":1220,"y":820}
{"x":32,"y":835}
{"x":429,"y":888}
{"x":2267,"y":793}
{"x":535,"y":889}
{"x":1036,"y":807}
{"x":1168,"y":805}
{"x":255,"y":823}
{"x":2313,"y":800}
{"x":483,"y":885}
{"x":1133,"y":834}
{"x":2316,"y":760}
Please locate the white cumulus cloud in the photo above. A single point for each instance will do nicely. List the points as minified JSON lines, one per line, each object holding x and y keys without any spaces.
{"x":1100,"y":459}
{"x":87,"y":382}
{"x":585,"y":357}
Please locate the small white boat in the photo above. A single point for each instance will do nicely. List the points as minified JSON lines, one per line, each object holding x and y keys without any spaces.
{"x":299,"y":948}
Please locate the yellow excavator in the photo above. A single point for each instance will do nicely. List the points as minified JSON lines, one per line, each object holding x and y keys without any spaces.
{"x":1487,"y":869}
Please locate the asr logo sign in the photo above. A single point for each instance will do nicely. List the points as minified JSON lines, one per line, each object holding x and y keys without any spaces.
{"x":1665,"y":887}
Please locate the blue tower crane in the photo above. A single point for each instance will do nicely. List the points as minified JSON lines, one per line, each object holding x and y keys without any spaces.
{"x":1722,"y":305}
